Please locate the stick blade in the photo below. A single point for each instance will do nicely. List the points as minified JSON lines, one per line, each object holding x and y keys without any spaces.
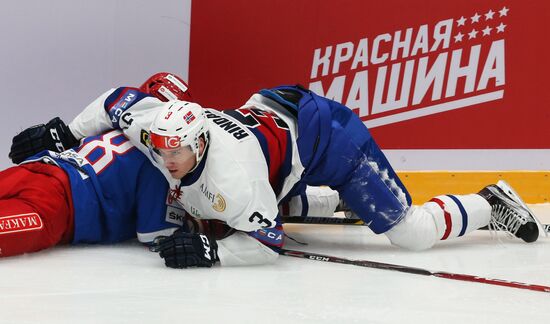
{"x":489,"y":281}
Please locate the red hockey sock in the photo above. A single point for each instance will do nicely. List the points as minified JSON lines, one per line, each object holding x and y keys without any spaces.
{"x":35,"y":208}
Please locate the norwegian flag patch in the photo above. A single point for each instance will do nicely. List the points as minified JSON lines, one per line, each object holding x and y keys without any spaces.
{"x":189,"y":117}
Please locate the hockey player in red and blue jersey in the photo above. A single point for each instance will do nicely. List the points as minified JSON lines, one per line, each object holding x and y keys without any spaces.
{"x":102,"y":191}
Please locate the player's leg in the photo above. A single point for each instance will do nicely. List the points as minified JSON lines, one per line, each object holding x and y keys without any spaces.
{"x":35,"y":208}
{"x":451,"y":216}
{"x":337,"y":150}
{"x":312,"y":201}
{"x":442,"y":218}
{"x":354,"y":165}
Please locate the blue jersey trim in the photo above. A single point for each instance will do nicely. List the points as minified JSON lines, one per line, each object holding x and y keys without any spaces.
{"x":120,"y":100}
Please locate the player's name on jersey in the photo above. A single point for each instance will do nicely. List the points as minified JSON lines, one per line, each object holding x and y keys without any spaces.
{"x":227,"y":125}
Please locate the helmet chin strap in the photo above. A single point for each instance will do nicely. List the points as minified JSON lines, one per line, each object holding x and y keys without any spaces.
{"x":198,"y":156}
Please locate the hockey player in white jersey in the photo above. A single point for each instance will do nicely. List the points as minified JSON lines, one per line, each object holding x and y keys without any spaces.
{"x":238,"y":165}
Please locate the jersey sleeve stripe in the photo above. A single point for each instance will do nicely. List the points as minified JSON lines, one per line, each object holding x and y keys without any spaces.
{"x":121,"y":100}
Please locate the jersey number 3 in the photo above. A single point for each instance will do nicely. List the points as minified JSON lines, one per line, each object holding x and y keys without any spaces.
{"x":261,"y":220}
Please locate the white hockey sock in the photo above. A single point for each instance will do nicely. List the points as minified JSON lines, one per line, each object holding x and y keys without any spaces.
{"x":318,"y":201}
{"x":457,"y":215}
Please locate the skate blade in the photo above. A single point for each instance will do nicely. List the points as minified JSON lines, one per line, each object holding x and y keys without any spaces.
{"x":514,"y":195}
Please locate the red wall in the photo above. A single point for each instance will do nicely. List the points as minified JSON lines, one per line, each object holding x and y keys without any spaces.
{"x":238,"y":47}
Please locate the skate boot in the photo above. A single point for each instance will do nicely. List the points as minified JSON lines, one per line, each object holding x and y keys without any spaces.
{"x":509,"y":213}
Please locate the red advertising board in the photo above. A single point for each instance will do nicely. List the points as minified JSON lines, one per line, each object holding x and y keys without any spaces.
{"x":422,"y":74}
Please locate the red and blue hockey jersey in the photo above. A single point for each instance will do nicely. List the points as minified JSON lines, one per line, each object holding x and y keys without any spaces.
{"x":117,"y":194}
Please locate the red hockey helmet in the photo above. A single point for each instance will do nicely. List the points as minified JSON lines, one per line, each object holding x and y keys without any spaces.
{"x":166,"y":86}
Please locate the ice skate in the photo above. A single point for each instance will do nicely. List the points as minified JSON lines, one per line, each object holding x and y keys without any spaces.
{"x":509,"y":213}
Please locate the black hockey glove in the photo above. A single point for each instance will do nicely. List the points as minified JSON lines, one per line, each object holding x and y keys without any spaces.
{"x":54,"y":136}
{"x":183,"y":250}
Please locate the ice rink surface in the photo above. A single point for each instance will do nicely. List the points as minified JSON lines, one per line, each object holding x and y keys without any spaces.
{"x":127,"y":284}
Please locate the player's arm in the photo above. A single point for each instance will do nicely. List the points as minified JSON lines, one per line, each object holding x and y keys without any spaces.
{"x":108,"y":111}
{"x":243,"y":249}
{"x":255,"y":236}
{"x":185,"y":249}
{"x":97,"y":118}
{"x":94,"y":120}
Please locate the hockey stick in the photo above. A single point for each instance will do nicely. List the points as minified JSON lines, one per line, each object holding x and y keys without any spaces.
{"x":412,"y":270}
{"x":346,"y":221}
{"x":321,"y":220}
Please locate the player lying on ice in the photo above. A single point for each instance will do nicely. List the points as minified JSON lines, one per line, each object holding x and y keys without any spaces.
{"x":103,"y":190}
{"x":238,"y":165}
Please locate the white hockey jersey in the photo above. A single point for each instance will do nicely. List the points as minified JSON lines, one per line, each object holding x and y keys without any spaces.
{"x":250,"y":165}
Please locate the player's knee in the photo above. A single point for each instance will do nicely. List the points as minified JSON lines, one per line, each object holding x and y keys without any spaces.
{"x":416,"y":231}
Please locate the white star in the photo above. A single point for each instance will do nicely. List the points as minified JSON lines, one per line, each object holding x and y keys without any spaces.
{"x":472,"y":34}
{"x":461,"y":21}
{"x":475,"y":18}
{"x":500,"y":28}
{"x":458,"y":37}
{"x":489,"y":15}
{"x":487,"y":31}
{"x":503,"y":11}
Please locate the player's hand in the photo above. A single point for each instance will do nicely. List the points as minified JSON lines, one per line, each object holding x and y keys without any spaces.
{"x":54,"y":136}
{"x":183,"y":250}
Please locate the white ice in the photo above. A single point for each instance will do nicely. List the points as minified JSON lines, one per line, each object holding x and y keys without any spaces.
{"x":127,"y":284}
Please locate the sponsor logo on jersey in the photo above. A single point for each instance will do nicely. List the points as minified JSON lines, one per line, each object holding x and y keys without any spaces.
{"x":229,"y":125}
{"x":209,"y":195}
{"x":270,"y":236}
{"x":70,"y":156}
{"x":175,"y":215}
{"x":144,"y":138}
{"x":20,"y":223}
{"x":121,"y":105}
{"x":219,"y":204}
{"x":416,"y":71}
{"x":194,"y":211}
